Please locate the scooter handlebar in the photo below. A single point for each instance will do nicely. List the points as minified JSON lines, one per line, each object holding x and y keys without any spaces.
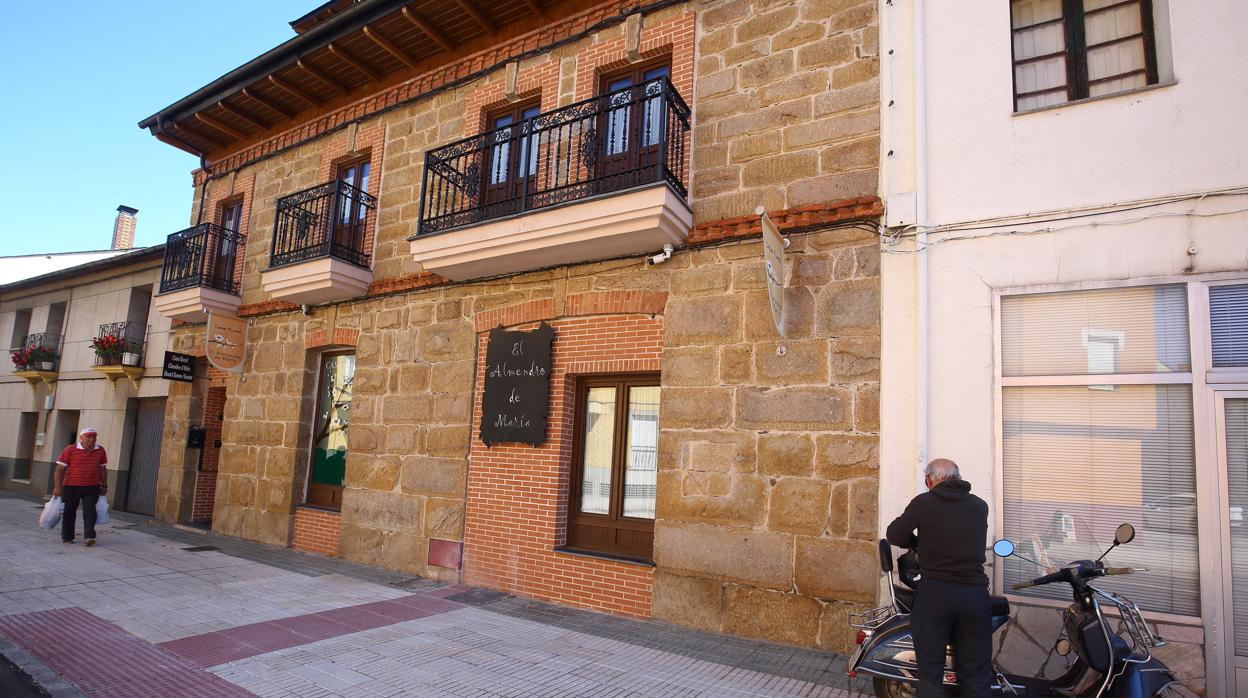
{"x":1118,"y":570}
{"x":1023,"y":585}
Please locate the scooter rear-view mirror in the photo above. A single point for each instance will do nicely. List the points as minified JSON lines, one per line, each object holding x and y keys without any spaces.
{"x":1003,"y":548}
{"x":1124,"y":534}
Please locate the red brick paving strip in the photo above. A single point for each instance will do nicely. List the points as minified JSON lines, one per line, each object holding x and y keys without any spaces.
{"x":232,"y":644}
{"x":104,"y":661}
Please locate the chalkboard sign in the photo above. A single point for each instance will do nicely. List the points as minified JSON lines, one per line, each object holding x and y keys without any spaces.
{"x":517,"y":386}
{"x":178,"y":367}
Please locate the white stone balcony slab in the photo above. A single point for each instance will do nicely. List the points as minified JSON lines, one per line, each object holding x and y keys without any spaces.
{"x":626,"y":223}
{"x":191,"y":304}
{"x":320,"y":280}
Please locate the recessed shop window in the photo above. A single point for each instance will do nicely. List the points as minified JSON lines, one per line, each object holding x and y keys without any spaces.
{"x":1096,"y":392}
{"x":328,"y":464}
{"x":614,"y":473}
{"x":1228,"y":318}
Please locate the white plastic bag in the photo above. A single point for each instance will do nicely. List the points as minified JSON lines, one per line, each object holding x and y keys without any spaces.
{"x":51,"y":514}
{"x":101,"y":510}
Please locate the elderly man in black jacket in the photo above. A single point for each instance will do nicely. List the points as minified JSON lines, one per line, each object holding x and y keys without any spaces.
{"x":951,"y":605}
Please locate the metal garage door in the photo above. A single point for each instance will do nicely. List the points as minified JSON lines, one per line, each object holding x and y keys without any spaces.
{"x":145,"y":456}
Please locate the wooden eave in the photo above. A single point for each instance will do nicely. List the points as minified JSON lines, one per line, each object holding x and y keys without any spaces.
{"x":376,"y":44}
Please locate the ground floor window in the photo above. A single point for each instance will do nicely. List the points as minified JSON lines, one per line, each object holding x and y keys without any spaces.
{"x":614,"y":466}
{"x":1097,"y":429}
{"x":328,"y":464}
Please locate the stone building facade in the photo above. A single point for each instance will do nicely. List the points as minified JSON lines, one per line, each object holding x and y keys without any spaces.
{"x":766,"y":452}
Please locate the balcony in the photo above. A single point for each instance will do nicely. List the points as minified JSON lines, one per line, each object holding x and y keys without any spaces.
{"x":119,"y":351}
{"x":319,"y":249}
{"x":38,"y":358}
{"x":200,"y":273}
{"x":600,"y":178}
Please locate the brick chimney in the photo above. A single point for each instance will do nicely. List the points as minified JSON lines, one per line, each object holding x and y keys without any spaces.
{"x":123,"y":228}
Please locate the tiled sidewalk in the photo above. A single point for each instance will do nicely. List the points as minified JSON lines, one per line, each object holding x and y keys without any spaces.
{"x":275,"y":622}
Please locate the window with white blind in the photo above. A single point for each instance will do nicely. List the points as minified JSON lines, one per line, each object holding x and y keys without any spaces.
{"x":1228,"y":319}
{"x":1097,"y":430}
{"x":1066,"y":50}
{"x":1236,"y":411}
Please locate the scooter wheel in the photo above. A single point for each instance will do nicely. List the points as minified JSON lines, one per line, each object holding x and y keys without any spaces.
{"x":885,"y":688}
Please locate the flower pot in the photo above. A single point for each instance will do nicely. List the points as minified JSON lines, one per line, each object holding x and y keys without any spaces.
{"x":130,"y":359}
{"x":47,"y":365}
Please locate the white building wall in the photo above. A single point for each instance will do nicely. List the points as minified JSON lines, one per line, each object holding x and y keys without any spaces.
{"x":985,"y":162}
{"x":78,"y":387}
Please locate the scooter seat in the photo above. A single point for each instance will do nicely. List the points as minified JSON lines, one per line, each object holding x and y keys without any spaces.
{"x":1000,"y":606}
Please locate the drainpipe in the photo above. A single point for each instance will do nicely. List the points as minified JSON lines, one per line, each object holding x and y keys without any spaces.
{"x":920,"y":184}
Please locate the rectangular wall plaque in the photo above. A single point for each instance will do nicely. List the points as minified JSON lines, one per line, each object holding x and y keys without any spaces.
{"x":517,"y":386}
{"x":178,"y":367}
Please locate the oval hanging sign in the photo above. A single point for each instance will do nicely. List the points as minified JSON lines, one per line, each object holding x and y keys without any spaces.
{"x":225,"y":343}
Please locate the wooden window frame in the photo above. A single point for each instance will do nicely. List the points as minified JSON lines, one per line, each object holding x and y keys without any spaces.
{"x":509,"y":195}
{"x":638,"y":156}
{"x":309,"y":486}
{"x":614,"y":519}
{"x":1076,"y":49}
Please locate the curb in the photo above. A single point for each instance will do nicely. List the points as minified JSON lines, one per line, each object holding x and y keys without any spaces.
{"x":46,"y":680}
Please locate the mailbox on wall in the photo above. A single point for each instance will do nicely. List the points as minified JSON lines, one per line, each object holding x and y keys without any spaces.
{"x":195,"y":437}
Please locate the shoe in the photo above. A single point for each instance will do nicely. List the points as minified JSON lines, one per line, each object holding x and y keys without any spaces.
{"x":90,"y":542}
{"x":67,"y":542}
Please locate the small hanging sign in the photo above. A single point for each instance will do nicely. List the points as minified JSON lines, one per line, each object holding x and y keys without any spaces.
{"x":517,"y":386}
{"x":773,"y":254}
{"x":224,"y":345}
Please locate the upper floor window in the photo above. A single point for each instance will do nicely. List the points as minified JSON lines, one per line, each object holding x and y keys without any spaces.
{"x":634,"y":124}
{"x":1066,"y":50}
{"x":352,"y":208}
{"x":232,"y":216}
{"x":511,"y":161}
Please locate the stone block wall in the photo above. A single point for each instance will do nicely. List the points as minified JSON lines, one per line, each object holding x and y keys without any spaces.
{"x":768,"y":462}
{"x":786,"y":105}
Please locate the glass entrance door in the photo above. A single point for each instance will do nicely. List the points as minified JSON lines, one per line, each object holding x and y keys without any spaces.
{"x":1232,"y":422}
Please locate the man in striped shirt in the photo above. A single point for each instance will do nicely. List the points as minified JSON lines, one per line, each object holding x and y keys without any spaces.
{"x":81,"y":477}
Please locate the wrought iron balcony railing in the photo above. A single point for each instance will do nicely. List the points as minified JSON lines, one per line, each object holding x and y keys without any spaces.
{"x":616,"y":141}
{"x":328,"y":220}
{"x":40,"y":351}
{"x":205,"y":255}
{"x":120,"y":344}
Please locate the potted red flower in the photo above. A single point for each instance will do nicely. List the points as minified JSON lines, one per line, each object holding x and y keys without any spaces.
{"x":109,"y":349}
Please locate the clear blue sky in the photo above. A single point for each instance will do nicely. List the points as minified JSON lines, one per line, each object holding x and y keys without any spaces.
{"x":77,"y":77}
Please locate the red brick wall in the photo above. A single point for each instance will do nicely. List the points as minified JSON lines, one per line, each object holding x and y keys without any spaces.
{"x":517,"y":494}
{"x":316,"y":531}
{"x":206,"y":478}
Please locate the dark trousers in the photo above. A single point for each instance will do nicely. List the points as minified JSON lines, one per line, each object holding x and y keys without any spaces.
{"x":72,"y":495}
{"x":960,"y":615}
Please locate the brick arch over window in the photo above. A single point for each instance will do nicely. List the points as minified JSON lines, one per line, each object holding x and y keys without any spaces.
{"x":575,"y":305}
{"x":324,"y":339}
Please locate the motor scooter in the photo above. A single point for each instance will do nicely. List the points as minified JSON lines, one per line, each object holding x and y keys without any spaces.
{"x":1106,"y":665}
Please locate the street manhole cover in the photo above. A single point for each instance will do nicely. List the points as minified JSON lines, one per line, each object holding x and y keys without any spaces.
{"x":478,"y":597}
{"x":200,"y":549}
